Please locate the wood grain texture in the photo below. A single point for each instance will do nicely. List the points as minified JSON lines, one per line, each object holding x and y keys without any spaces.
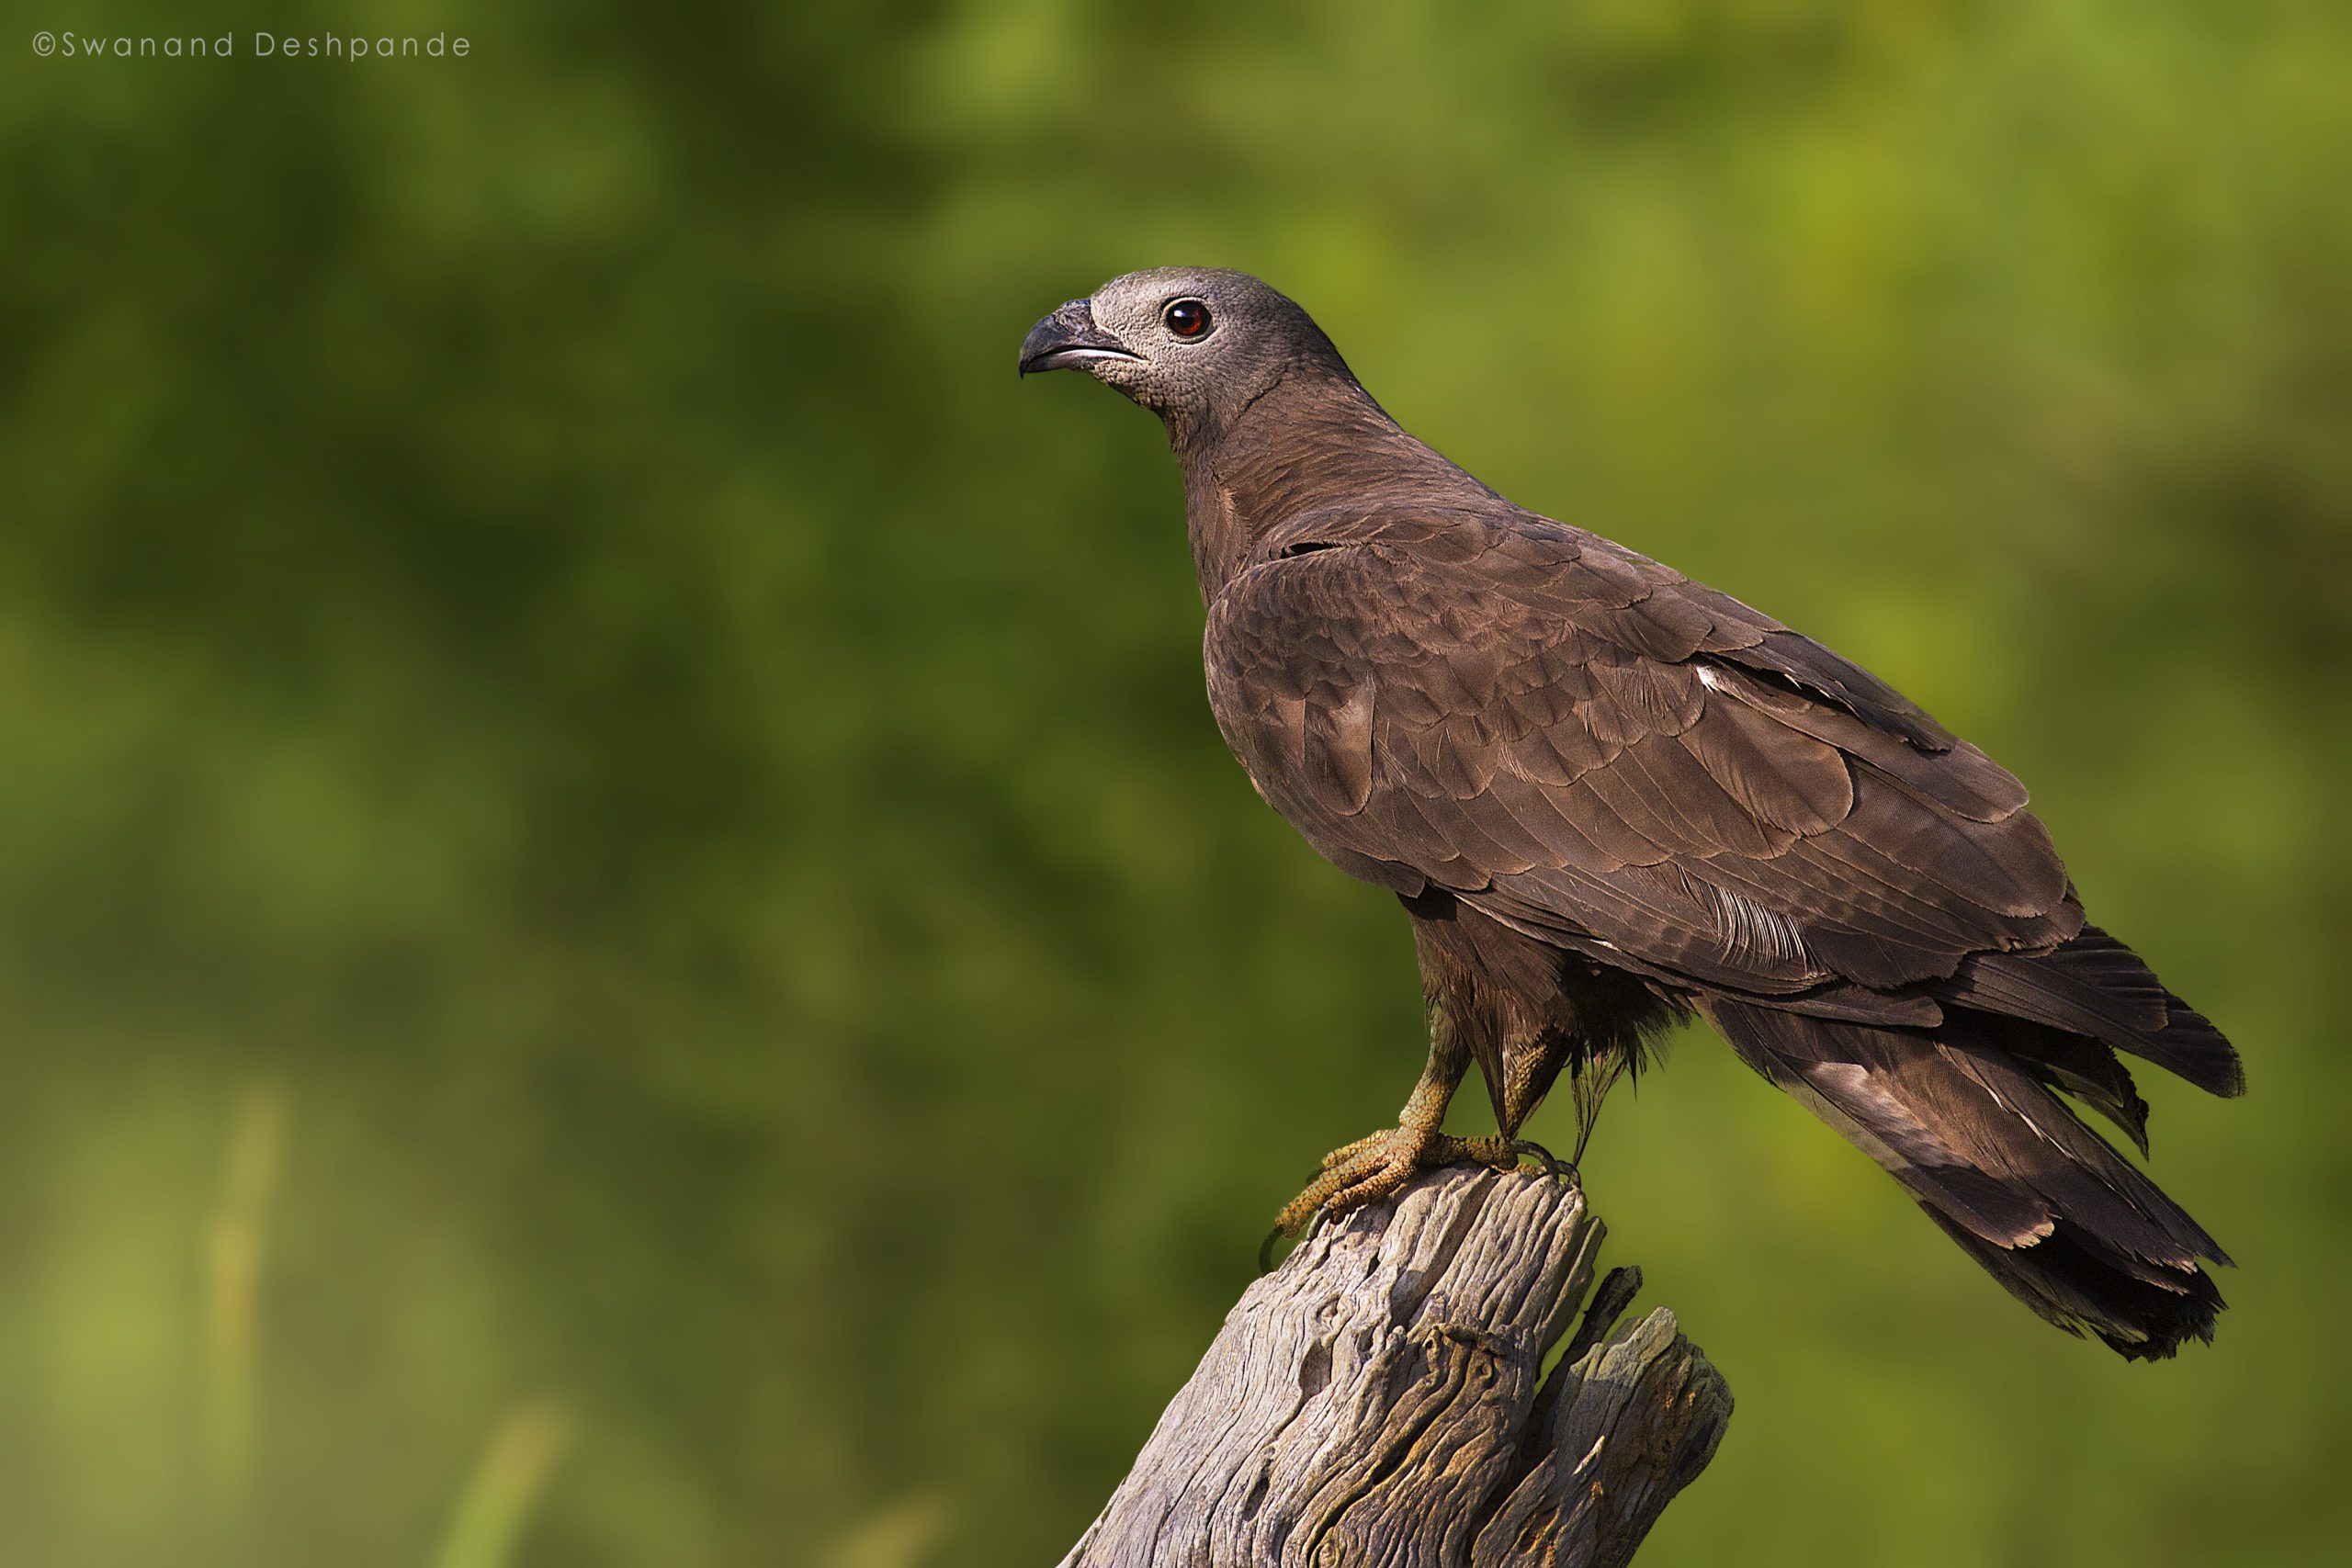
{"x":1379,"y":1399}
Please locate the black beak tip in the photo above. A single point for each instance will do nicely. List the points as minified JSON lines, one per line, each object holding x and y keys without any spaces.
{"x":1071,"y":327}
{"x":1048,"y":335}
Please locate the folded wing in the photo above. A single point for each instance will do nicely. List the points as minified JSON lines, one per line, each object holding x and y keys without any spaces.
{"x":1587,"y":745}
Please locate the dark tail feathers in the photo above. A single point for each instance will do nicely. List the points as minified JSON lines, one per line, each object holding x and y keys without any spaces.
{"x":2097,"y":987}
{"x":1964,"y":1115}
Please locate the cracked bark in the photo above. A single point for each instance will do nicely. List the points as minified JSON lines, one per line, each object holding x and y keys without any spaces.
{"x":1379,"y":1399}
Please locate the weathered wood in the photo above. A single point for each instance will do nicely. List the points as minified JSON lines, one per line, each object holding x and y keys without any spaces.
{"x":1379,"y":1399}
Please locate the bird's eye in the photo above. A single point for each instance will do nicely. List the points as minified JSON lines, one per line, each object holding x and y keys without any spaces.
{"x":1187,"y":318}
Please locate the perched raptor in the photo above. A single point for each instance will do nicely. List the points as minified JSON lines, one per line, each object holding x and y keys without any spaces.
{"x":1608,"y":796}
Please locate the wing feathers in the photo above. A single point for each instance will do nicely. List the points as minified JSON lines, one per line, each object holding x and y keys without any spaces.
{"x":2095,"y":986}
{"x":1505,"y":707}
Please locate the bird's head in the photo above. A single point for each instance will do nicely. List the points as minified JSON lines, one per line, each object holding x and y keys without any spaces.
{"x":1197,"y":345}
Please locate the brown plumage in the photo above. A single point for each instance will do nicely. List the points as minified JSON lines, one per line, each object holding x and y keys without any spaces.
{"x":1608,"y":795}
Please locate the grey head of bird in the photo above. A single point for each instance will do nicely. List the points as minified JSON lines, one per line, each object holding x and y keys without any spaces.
{"x":1197,"y":345}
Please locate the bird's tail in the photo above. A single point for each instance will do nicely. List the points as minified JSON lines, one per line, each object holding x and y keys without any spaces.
{"x":1964,"y":1115}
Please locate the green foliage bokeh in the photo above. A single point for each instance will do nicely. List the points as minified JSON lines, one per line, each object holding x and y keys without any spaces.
{"x":624,"y":935}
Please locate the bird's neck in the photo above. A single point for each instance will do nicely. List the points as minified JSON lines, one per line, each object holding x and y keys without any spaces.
{"x":1307,"y":443}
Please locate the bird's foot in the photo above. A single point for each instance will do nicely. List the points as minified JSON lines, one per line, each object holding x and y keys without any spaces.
{"x":1566,"y":1169}
{"x":1373,"y":1168}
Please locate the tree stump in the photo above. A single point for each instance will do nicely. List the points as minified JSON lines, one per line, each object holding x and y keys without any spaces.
{"x":1379,"y":1399}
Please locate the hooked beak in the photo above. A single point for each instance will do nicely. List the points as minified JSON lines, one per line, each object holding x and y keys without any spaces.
{"x":1068,"y":337}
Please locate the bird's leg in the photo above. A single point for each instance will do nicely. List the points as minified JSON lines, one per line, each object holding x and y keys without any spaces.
{"x":1374,"y":1166}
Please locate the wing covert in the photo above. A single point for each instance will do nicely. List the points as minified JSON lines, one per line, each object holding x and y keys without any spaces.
{"x":1585,"y":746}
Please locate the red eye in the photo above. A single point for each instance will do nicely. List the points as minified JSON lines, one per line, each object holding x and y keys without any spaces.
{"x":1186,"y":318}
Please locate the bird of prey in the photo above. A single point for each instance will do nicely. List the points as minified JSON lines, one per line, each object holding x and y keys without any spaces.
{"x":1609,"y":797}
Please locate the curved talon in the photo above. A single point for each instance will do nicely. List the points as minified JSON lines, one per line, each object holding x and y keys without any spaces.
{"x":1266,"y":1264}
{"x":1266,"y":1250}
{"x":1553,"y":1164}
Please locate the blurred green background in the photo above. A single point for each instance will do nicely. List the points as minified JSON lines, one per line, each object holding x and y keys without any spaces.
{"x":624,"y":936}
